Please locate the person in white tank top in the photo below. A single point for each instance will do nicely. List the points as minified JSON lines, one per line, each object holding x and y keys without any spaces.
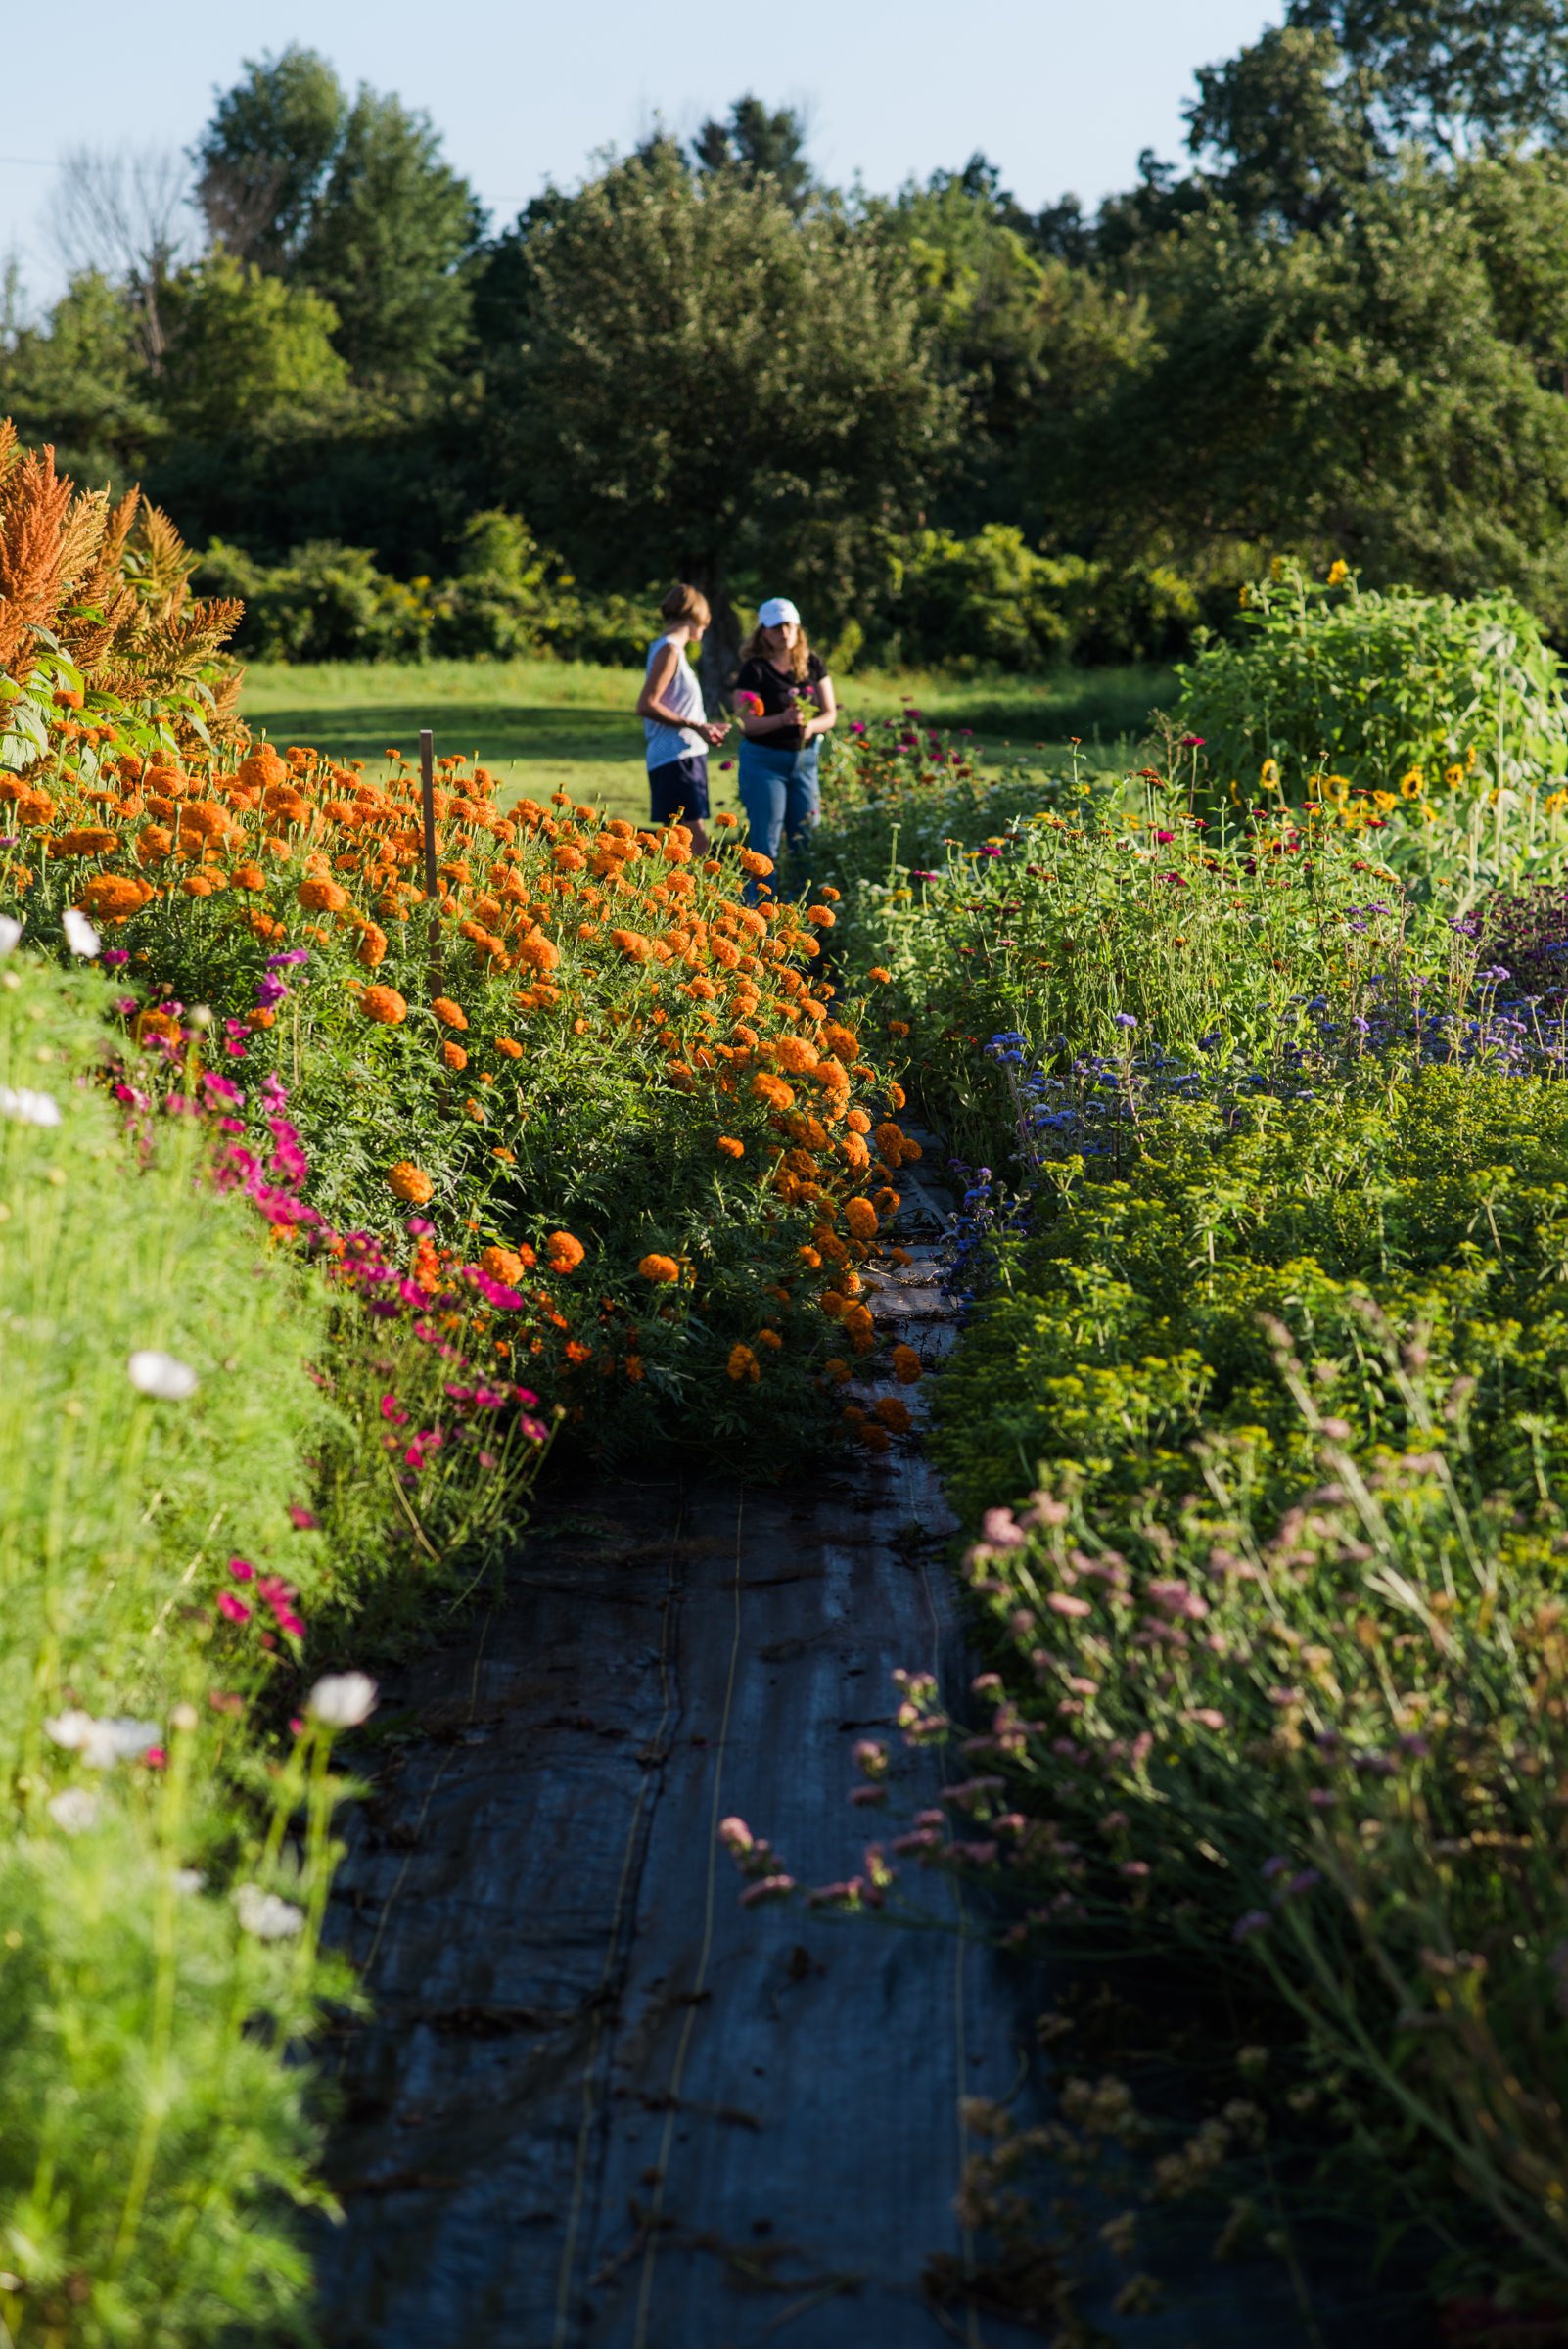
{"x":678,"y":734}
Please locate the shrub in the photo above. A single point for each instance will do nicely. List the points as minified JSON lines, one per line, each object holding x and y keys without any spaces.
{"x":1333,"y":690}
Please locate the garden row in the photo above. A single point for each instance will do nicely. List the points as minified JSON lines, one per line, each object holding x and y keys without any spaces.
{"x":312,"y":1183}
{"x":1259,"y":1425}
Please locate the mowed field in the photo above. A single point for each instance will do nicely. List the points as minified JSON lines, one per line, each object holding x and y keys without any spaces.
{"x":556,"y":725}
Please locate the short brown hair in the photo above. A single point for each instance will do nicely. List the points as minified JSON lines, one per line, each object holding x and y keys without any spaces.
{"x":686,"y":603}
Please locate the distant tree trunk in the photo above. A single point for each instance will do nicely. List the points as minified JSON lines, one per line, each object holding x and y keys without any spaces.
{"x":718,"y":660}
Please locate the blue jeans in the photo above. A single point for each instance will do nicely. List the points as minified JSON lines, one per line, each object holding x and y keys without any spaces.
{"x":781,"y":796}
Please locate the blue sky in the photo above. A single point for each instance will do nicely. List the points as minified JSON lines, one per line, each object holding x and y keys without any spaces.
{"x":1061,"y":93}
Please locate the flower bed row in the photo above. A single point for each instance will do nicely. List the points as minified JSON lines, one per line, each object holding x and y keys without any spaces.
{"x":1258,"y":1428}
{"x":190,"y":1413}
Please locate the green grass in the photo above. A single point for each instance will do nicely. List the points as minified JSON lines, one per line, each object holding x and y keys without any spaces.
{"x":560,"y":725}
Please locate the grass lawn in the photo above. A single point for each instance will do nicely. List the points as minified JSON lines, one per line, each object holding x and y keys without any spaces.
{"x":559,"y":726}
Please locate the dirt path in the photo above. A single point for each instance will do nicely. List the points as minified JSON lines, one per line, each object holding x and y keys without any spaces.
{"x":600,"y":2105}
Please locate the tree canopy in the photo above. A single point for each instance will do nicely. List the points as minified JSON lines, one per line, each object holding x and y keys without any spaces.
{"x":1338,"y":325}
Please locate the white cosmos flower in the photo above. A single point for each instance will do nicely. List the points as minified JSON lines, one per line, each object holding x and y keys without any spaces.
{"x":266,"y":1915}
{"x":28,"y":1108}
{"x":9,"y":933}
{"x":80,"y":936}
{"x":74,"y":1809}
{"x":187,"y":1879}
{"x":102,"y":1743}
{"x":344,"y":1699}
{"x":161,"y":1375}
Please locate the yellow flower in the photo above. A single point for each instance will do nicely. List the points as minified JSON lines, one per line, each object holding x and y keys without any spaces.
{"x":1412,"y":784}
{"x":1454,"y":777}
{"x":1269,"y":775}
{"x":1338,"y":573}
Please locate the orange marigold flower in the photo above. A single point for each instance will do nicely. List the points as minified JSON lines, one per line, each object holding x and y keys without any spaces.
{"x":840,"y":1042}
{"x":898,"y":1028}
{"x":894,"y":1414}
{"x":262,"y":1016}
{"x":889,"y":1141}
{"x":658,"y":1269}
{"x":382,"y":1004}
{"x":769,"y":1338}
{"x":743,"y":1364}
{"x":563,"y":1253}
{"x":862,"y":1218}
{"x":757,"y":866}
{"x":794,"y":1053}
{"x":505,"y":1264}
{"x":449,"y":1012}
{"x":820,"y":917}
{"x":833,"y":1304}
{"x":773,"y":1091}
{"x":897,"y":1096}
{"x":510,"y":1046}
{"x":90,"y":841}
{"x":249,"y":875}
{"x":408,"y":1181}
{"x":263,"y":769}
{"x":857,"y":1122}
{"x":838,"y":1370}
{"x":154,"y":843}
{"x":854,"y":1153}
{"x":538,"y":952}
{"x":809,"y":1256}
{"x":726,"y":822}
{"x":197,"y":885}
{"x":883,"y":978}
{"x":372,"y":947}
{"x":730,"y":1146}
{"x":576,"y":1352}
{"x":454,"y":1056}
{"x":318,"y":896}
{"x":873,"y":1437}
{"x":109,"y":896}
{"x":906,"y":1365}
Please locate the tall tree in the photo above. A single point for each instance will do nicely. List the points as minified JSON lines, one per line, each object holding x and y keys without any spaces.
{"x":755,"y":144}
{"x":263,"y":157}
{"x":1456,"y":74}
{"x":709,"y":379}
{"x":388,"y":240}
{"x":1287,"y":129}
{"x":1357,"y":392}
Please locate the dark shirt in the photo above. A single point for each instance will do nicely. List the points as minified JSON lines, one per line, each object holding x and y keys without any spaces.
{"x":775,"y":694}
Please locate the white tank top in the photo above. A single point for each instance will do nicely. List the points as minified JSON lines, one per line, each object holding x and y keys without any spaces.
{"x":684,"y":695}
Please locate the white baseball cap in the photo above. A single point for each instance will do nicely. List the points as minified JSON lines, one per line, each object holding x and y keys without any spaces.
{"x":777,"y":612}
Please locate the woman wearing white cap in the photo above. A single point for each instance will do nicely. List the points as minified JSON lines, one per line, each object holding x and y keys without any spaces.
{"x":785,"y":702}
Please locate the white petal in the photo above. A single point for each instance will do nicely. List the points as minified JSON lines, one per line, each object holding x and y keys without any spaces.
{"x":80,"y":936}
{"x":28,"y":1108}
{"x":74,"y":1809}
{"x":187,"y":1879}
{"x":161,"y":1375}
{"x":9,"y":933}
{"x":266,"y":1915}
{"x":72,"y":1729}
{"x":344,"y":1699}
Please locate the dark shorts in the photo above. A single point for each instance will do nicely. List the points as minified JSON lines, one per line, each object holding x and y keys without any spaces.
{"x":679,"y":792}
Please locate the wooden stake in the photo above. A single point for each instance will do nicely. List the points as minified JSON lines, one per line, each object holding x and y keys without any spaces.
{"x":426,"y":789}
